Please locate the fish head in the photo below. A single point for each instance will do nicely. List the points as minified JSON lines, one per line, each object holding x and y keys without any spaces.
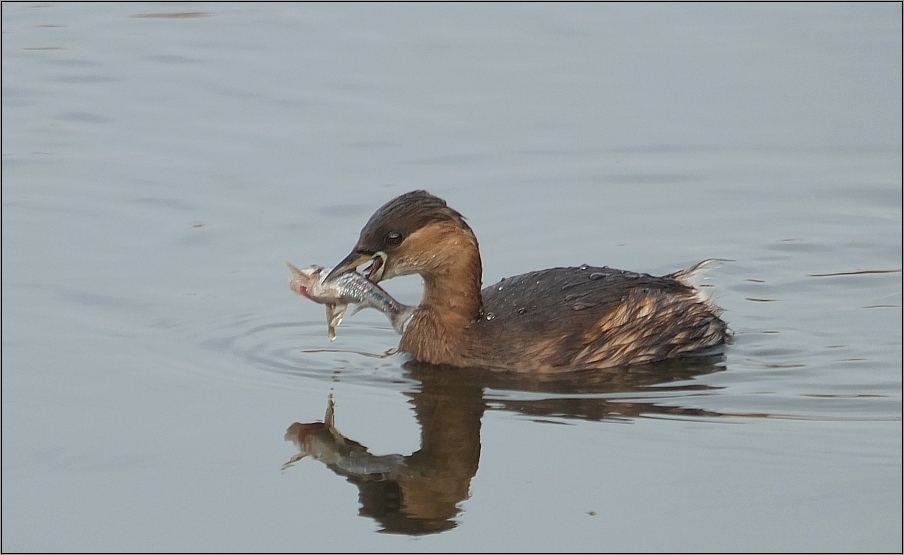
{"x":303,"y":280}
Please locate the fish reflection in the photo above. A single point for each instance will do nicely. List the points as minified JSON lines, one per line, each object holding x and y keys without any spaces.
{"x":414,"y":494}
{"x":422,"y":493}
{"x":323,"y":442}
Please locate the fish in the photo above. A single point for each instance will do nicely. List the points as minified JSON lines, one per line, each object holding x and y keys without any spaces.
{"x":345,"y":456}
{"x":343,"y":290}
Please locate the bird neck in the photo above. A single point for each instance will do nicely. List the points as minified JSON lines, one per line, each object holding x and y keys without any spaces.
{"x":451,"y":301}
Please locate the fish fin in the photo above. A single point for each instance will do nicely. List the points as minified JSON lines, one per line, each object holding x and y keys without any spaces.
{"x":295,"y":271}
{"x":329,"y":419}
{"x":334,"y":314}
{"x":330,"y":415}
{"x":338,"y":313}
{"x":358,"y":308}
{"x":295,"y":458}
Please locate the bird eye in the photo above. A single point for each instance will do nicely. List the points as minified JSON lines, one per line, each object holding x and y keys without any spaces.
{"x":393,"y":239}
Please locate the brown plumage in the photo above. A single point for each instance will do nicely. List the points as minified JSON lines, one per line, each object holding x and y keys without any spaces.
{"x":549,"y":320}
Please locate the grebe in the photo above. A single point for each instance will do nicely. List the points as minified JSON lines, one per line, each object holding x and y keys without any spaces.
{"x":549,"y":320}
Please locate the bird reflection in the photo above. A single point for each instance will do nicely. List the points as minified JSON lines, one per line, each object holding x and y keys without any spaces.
{"x":421,"y":493}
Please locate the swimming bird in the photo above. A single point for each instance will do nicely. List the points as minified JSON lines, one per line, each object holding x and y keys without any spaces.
{"x":557,"y":319}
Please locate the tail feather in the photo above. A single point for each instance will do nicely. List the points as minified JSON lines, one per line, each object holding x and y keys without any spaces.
{"x":692,"y":277}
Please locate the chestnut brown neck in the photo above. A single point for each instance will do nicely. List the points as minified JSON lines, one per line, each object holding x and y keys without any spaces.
{"x":452,"y":270}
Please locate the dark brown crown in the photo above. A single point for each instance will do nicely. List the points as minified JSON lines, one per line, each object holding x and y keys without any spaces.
{"x":404,"y":215}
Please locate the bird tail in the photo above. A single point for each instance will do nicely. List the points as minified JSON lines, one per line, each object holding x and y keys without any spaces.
{"x":693,"y":277}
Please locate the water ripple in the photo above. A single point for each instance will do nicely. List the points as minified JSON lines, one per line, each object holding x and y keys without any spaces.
{"x":301,"y":350}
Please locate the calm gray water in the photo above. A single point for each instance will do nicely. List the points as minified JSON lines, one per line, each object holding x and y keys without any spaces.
{"x":160,"y":161}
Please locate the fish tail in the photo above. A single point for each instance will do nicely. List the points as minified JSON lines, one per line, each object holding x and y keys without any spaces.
{"x":399,"y":318}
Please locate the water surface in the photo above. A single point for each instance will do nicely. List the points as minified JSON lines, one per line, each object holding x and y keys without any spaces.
{"x":160,"y":161}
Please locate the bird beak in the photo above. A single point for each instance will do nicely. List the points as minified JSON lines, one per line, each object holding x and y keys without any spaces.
{"x":351,"y":262}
